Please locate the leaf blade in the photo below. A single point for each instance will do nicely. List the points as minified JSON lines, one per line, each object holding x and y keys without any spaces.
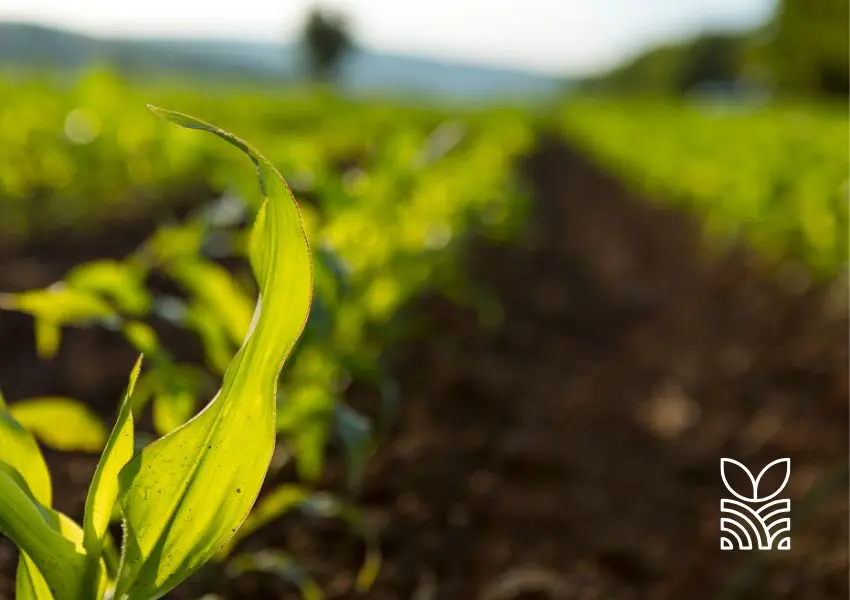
{"x":103,"y":490}
{"x":61,"y":423}
{"x":23,"y":520}
{"x":201,"y":493}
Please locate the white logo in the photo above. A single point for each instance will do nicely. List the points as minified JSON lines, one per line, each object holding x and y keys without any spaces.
{"x":753,"y":518}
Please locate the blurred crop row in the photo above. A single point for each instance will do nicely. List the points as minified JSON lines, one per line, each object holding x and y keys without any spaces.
{"x":774,"y":176}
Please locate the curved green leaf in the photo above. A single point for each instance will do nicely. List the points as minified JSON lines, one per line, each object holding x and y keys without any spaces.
{"x":215,"y":290}
{"x":54,"y":306}
{"x":50,"y":540}
{"x":29,"y":583}
{"x":186,"y":494}
{"x":61,"y":423}
{"x":121,"y":283}
{"x":58,"y":303}
{"x":19,"y":450}
{"x":103,"y":491}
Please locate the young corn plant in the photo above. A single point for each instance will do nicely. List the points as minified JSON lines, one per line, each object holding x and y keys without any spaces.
{"x":183,"y":497}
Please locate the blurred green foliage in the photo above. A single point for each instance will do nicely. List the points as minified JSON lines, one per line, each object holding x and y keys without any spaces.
{"x":807,"y":46}
{"x":775,"y":176}
{"x":390,"y":196}
{"x":801,"y":51}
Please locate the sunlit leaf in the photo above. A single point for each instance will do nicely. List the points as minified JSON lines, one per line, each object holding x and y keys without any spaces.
{"x":48,"y":334}
{"x":143,"y":337}
{"x":51,"y":546}
{"x":304,"y":419}
{"x":175,"y":242}
{"x":103,"y":490}
{"x":170,"y":411}
{"x":56,"y":306}
{"x":121,"y":283}
{"x":29,"y":583}
{"x":174,"y":389}
{"x":61,"y":423}
{"x":213,"y":288}
{"x":218,"y":347}
{"x":186,"y":494}
{"x":19,"y":450}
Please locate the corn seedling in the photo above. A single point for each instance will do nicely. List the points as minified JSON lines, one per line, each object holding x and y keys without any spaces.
{"x":183,"y":497}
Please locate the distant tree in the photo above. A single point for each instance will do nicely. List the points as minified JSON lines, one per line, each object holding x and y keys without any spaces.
{"x":807,"y":47}
{"x":711,"y":58}
{"x":326,"y":39}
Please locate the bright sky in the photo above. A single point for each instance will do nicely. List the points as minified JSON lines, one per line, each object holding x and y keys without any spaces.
{"x":557,"y":36}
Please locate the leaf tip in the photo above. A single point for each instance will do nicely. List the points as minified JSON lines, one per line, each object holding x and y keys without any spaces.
{"x":134,"y":374}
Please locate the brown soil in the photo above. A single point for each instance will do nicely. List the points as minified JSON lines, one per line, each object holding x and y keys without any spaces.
{"x":572,"y":450}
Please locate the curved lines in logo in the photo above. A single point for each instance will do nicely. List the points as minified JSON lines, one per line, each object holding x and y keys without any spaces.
{"x":738,"y":516}
{"x":782,"y":506}
{"x":740,"y":537}
{"x":775,"y":531}
{"x":727,"y":463}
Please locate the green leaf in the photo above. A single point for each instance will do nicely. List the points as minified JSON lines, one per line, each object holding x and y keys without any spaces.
{"x":29,"y":583}
{"x":19,"y":451}
{"x":186,"y":494}
{"x":59,"y":304}
{"x":214,"y":289}
{"x":172,"y":410}
{"x":218,"y":347}
{"x":175,"y":389}
{"x":47,"y":337}
{"x":121,"y":283}
{"x":280,"y":564}
{"x":304,"y":420}
{"x":103,"y":490}
{"x":61,"y":423}
{"x":54,"y":306}
{"x":173,"y":242}
{"x":50,"y":540}
{"x":143,"y":337}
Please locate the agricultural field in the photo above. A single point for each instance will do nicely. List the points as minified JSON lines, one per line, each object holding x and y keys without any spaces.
{"x":774,"y":176}
{"x":519,"y":358}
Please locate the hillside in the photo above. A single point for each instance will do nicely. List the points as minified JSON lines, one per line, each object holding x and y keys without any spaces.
{"x":26,"y":45}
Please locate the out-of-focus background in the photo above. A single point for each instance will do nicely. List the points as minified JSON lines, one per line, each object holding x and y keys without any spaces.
{"x":568,"y":255}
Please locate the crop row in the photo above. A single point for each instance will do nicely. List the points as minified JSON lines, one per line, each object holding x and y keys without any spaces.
{"x":774,"y":176}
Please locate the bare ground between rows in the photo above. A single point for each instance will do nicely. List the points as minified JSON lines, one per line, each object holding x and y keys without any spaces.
{"x":571,"y":451}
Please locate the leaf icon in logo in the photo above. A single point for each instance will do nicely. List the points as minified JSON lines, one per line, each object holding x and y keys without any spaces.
{"x":780,"y":463}
{"x":727,"y":465}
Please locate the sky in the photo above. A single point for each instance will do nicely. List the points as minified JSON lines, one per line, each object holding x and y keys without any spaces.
{"x":561,"y":37}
